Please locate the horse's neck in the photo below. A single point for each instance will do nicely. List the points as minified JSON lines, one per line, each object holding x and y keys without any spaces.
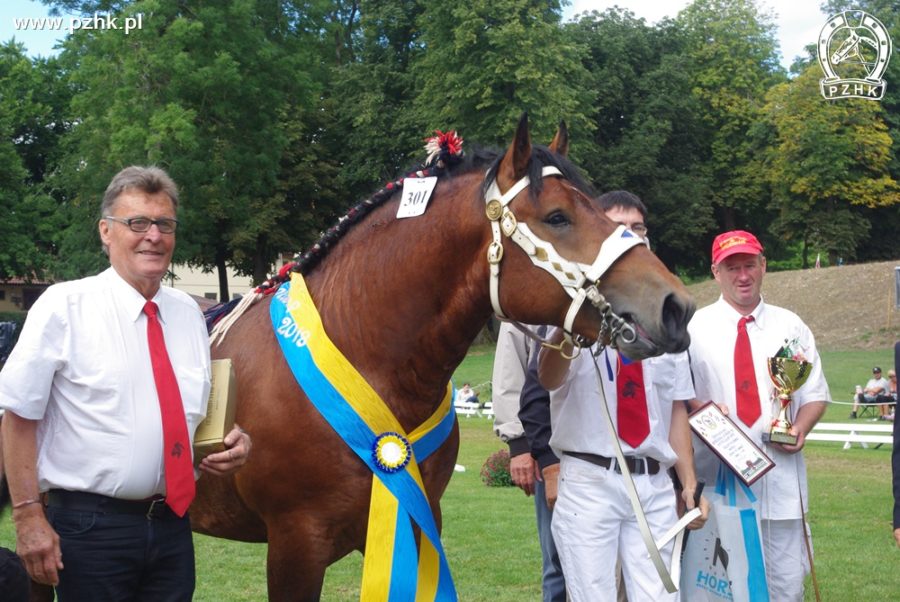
{"x":404,"y":299}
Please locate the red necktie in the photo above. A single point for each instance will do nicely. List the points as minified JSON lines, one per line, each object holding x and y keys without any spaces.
{"x":746,"y":393}
{"x":180,"y":486}
{"x":631,"y":403}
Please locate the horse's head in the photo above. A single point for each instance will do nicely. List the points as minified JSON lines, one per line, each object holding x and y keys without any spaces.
{"x":563,"y":259}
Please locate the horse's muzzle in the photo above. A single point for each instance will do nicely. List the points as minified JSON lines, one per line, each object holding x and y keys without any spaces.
{"x":676,"y":313}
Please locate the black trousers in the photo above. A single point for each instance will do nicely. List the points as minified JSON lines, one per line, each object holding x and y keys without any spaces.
{"x":116,"y":556}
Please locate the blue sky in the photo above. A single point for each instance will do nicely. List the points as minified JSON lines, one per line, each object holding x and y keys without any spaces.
{"x":799,"y":21}
{"x":38,"y":43}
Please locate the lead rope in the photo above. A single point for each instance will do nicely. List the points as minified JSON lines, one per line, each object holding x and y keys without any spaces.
{"x":807,"y":539}
{"x":670,"y":576}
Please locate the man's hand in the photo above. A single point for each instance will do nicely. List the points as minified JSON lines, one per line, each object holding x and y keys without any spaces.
{"x":238,"y":446}
{"x":686,"y":503}
{"x":792,"y":449}
{"x":897,"y":536}
{"x":551,"y":484}
{"x":38,"y":545}
{"x":522,"y":471}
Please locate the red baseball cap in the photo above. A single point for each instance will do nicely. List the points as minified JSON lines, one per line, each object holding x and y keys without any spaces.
{"x":734,"y":242}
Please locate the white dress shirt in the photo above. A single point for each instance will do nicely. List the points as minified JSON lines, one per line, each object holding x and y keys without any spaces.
{"x":508,"y":377}
{"x":713,"y":331}
{"x":82,"y":367}
{"x":577,"y":416}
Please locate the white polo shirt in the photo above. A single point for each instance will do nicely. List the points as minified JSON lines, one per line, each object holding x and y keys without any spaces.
{"x":577,"y":417}
{"x":82,"y":367}
{"x":713,"y":331}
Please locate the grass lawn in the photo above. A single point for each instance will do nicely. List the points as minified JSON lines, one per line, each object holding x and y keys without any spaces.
{"x":491,"y":541}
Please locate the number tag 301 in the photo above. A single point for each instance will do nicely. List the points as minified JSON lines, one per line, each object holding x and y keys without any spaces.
{"x":416,"y":192}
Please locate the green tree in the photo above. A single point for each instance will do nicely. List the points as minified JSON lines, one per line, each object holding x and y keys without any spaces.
{"x":884,"y":221}
{"x":204,"y":89}
{"x":33,"y":98}
{"x":487,"y":61}
{"x":372,"y":124}
{"x":829,"y":161}
{"x":731,"y":58}
{"x":649,"y":139}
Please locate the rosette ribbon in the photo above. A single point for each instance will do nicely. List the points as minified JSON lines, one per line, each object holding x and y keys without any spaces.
{"x":393,"y":569}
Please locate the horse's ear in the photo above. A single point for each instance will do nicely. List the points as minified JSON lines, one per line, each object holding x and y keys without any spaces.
{"x":515,"y":163}
{"x":560,"y":144}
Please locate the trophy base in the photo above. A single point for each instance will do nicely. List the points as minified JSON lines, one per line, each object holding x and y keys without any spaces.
{"x":783,"y":438}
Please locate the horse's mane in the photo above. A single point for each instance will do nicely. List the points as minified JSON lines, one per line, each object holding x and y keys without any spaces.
{"x":220,"y":317}
{"x":478,"y":159}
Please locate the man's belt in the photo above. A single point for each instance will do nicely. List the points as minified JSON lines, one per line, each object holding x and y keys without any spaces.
{"x":83,"y":501}
{"x":635,"y":465}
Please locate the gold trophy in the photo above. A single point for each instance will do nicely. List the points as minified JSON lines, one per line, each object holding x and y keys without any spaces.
{"x":788,"y":374}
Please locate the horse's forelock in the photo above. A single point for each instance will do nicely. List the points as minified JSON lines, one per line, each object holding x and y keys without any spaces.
{"x":542,"y":156}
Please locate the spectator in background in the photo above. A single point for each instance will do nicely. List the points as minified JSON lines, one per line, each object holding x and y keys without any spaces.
{"x":889,"y":398}
{"x":895,"y":454}
{"x":877,"y":385}
{"x":467,"y":394}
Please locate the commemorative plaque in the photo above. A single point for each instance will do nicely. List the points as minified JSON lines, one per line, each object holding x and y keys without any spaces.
{"x":220,"y":410}
{"x":730,"y":443}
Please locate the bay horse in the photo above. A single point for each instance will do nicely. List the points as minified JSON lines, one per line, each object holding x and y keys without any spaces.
{"x":403,"y":299}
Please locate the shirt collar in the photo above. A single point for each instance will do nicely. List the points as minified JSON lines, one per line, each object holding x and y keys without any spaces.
{"x":129,"y":299}
{"x":733,"y":315}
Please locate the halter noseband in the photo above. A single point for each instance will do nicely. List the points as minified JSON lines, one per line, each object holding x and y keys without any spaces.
{"x":580,"y":281}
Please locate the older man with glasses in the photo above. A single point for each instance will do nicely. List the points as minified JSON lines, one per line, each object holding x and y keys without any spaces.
{"x":103,"y":393}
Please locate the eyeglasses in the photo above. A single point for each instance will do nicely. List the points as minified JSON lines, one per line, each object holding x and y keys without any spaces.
{"x":639,"y":229}
{"x":142,"y":224}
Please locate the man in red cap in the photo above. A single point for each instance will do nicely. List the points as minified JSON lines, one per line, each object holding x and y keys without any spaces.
{"x":731,"y":340}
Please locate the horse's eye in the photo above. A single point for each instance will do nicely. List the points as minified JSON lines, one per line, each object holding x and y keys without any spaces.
{"x":556,"y":219}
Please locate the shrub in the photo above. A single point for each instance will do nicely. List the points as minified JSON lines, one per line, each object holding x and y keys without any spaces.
{"x":495,"y":472}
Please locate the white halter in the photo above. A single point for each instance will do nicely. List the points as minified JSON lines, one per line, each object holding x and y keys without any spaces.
{"x":577,"y":279}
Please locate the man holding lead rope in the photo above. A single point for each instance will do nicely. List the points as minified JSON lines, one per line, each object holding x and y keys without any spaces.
{"x":593,"y":518}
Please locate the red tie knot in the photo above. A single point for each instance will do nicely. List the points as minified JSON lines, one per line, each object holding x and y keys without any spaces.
{"x":150,"y":309}
{"x":742,"y":323}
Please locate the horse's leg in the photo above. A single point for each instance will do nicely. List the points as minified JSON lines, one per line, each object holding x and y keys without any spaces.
{"x":299,"y":553}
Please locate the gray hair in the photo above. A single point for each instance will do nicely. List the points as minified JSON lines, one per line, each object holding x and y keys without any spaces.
{"x":150,"y":180}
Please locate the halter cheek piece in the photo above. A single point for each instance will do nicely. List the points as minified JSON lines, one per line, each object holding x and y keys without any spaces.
{"x":580,"y":281}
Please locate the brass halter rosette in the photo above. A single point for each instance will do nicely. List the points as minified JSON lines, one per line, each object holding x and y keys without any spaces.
{"x":391,"y":452}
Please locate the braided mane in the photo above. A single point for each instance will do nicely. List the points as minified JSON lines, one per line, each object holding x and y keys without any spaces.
{"x":541,"y":156}
{"x":220,"y":317}
{"x":314,"y":255}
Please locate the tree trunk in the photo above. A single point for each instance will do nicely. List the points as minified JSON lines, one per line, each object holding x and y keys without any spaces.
{"x":805,"y":253}
{"x":222,"y":270}
{"x":260,"y":266}
{"x":728,"y":220}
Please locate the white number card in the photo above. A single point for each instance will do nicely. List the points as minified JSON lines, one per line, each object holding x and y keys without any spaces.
{"x":416,"y":192}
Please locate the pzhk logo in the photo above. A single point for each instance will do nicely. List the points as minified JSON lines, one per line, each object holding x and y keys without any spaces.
{"x":854,"y":50}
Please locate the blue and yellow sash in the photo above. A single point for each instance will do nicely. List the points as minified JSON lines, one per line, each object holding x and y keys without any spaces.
{"x":392,"y":569}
